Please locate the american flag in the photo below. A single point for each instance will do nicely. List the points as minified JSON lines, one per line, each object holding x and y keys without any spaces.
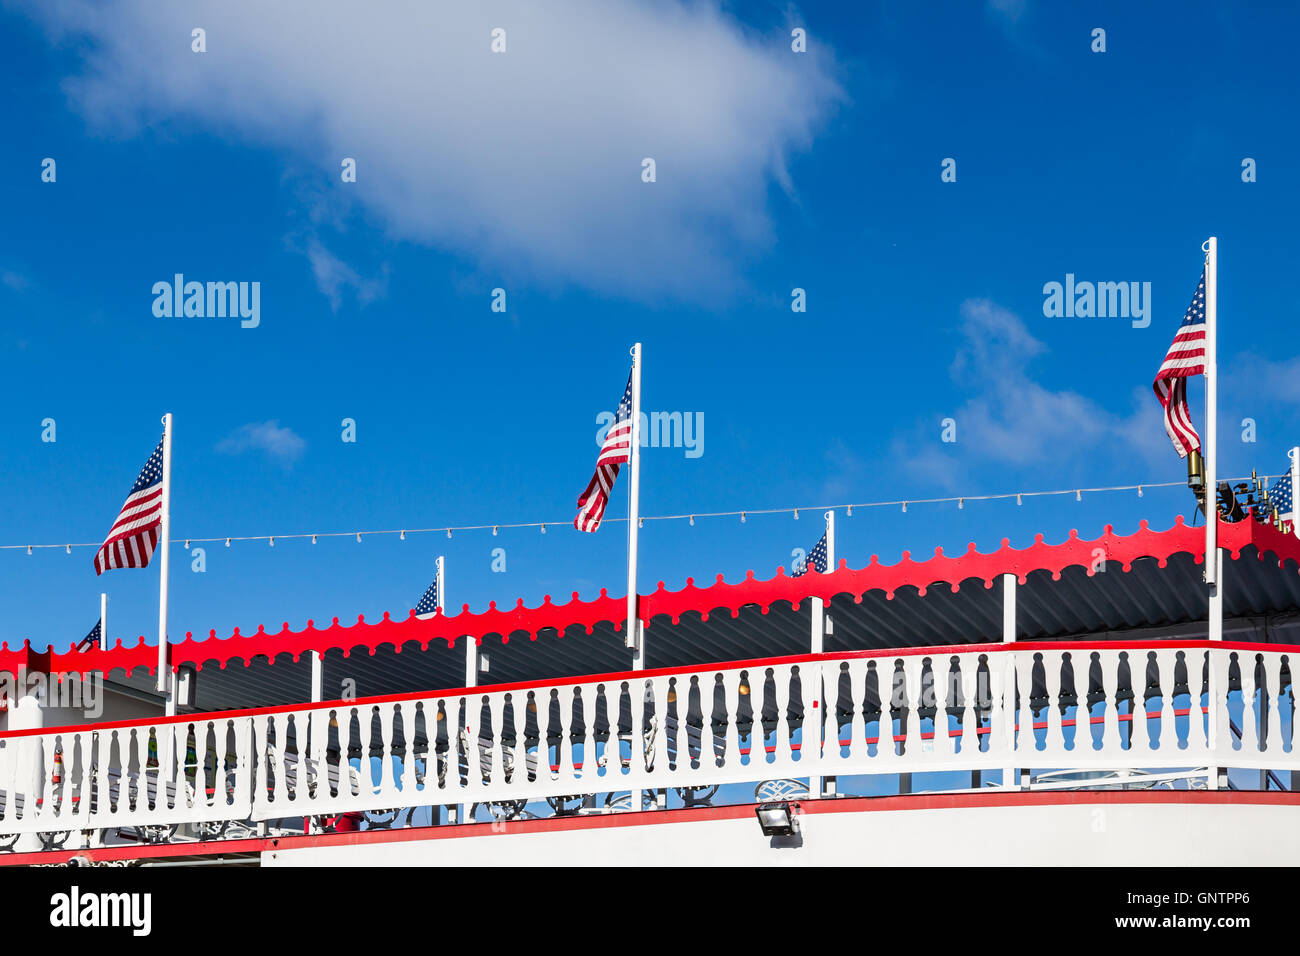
{"x":615,"y":450}
{"x":92,"y":640}
{"x":817,"y":559}
{"x":134,"y":534}
{"x":431,"y":601}
{"x":1186,"y":356}
{"x":1280,"y":498}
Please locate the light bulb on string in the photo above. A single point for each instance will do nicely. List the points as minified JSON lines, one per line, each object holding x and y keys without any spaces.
{"x":742,"y":517}
{"x":1078,"y":494}
{"x":272,"y":540}
{"x":358,"y":537}
{"x":402,"y":536}
{"x":29,"y":549}
{"x":1139,"y":491}
{"x":449,"y":533}
{"x":961,"y":503}
{"x":796,"y":514}
{"x":227,"y":542}
{"x":1019,"y":502}
{"x":904,"y":507}
{"x":692,"y":521}
{"x":543,"y":529}
{"x":313,"y":539}
{"x":69,"y":549}
{"x":494,"y":531}
{"x":849,"y":511}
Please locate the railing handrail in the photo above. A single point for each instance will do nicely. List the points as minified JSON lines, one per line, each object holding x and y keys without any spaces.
{"x":618,"y":676}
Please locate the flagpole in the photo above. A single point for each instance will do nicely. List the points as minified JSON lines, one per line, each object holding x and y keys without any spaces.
{"x":1212,"y":563}
{"x":103,"y":620}
{"x":633,"y":634}
{"x":164,"y":547}
{"x":818,"y":607}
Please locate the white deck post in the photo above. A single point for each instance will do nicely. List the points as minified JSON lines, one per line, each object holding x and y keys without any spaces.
{"x":815,"y":717}
{"x":1009,"y":671}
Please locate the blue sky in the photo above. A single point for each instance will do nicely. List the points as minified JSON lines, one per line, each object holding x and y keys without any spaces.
{"x":522,"y":171}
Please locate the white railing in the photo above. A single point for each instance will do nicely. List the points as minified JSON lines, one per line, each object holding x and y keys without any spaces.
{"x":130,"y":774}
{"x":985,"y":707}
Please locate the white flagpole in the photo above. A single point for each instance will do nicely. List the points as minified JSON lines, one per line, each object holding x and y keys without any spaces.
{"x":103,"y":620}
{"x":164,"y":547}
{"x":632,"y":638}
{"x":818,"y":607}
{"x":1212,"y":561}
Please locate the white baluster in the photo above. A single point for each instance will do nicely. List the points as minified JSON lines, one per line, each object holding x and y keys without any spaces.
{"x":1111,"y":739}
{"x":1140,"y":741}
{"x":1249,"y":722}
{"x":1275,"y":756}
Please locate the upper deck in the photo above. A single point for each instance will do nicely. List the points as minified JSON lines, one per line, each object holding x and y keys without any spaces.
{"x":1060,"y":666}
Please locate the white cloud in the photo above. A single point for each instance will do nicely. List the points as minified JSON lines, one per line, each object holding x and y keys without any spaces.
{"x":333,"y":276}
{"x":280,"y":444}
{"x":1009,"y":10}
{"x":527,"y":161}
{"x":1012,"y":420}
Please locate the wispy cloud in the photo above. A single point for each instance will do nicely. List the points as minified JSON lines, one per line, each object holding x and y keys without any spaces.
{"x":278,"y":443}
{"x":528,"y":161}
{"x":1011,"y":419}
{"x":334,"y":276}
{"x":1009,"y":11}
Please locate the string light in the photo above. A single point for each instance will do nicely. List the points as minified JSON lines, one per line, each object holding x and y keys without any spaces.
{"x":1019,"y":496}
{"x":796,"y":514}
{"x":273,"y":541}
